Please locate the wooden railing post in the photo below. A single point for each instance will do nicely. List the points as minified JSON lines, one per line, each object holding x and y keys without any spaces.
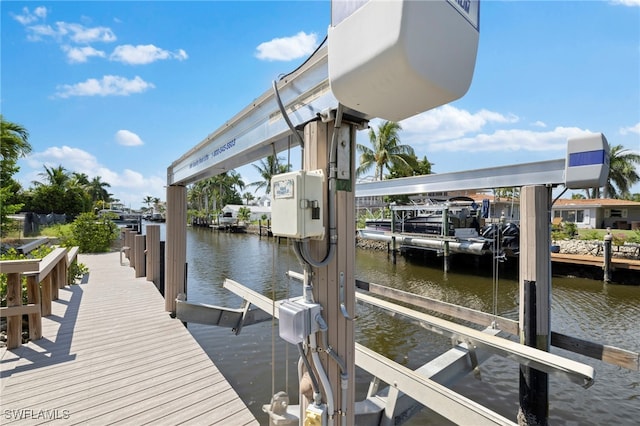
{"x":14,"y":322}
{"x":33,"y":296}
{"x":47,"y":295}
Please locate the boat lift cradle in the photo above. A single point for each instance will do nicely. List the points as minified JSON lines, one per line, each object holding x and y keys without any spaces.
{"x":409,"y":390}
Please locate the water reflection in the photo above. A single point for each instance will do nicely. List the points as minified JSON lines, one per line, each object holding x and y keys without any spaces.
{"x":582,"y":308}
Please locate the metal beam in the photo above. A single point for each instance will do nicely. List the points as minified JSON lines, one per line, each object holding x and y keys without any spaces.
{"x":259,"y":129}
{"x":549,"y":172}
{"x":576,"y":372}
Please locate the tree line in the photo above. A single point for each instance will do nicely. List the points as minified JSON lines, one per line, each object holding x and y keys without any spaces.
{"x":62,"y":191}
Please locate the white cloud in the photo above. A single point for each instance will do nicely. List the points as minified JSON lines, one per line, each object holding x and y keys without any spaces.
{"x":630,"y":3}
{"x":448,"y":122}
{"x":511,"y":140}
{"x":81,"y":34}
{"x":144,"y":54}
{"x":37,"y":32}
{"x":128,"y":138}
{"x":129,"y":186}
{"x":28,"y":17}
{"x":287,"y":48}
{"x":70,"y":32}
{"x":539,"y":124}
{"x":631,"y":129}
{"x":81,"y":54}
{"x":109,"y":85}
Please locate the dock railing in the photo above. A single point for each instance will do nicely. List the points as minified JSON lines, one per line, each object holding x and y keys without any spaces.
{"x":44,"y":277}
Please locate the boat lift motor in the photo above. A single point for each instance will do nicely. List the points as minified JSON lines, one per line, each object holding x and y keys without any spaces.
{"x":423,"y":58}
{"x":587,"y":164}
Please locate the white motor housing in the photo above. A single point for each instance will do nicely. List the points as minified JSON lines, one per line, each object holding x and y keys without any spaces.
{"x":396,"y":58}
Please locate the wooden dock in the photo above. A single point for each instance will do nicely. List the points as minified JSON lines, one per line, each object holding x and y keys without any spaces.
{"x":588,"y":260}
{"x":112,"y":355}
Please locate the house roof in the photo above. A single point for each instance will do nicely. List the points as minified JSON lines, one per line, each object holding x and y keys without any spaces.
{"x":595,"y":202}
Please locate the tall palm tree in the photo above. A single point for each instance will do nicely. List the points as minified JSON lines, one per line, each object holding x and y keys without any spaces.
{"x":54,"y":176}
{"x":623,"y":174}
{"x":97,"y":189}
{"x":148,"y":200}
{"x":15,"y":140}
{"x":13,"y":145}
{"x":267,"y":168}
{"x":385,"y":151}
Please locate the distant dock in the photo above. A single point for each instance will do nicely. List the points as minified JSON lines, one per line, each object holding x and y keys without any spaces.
{"x":110,"y":354}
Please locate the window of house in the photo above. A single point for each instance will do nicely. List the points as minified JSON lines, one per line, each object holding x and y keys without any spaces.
{"x":574,"y":216}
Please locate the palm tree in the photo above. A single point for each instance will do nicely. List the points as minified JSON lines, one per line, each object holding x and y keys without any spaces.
{"x":622,"y":174}
{"x":15,"y":140}
{"x":97,"y":189}
{"x":267,"y":168}
{"x":54,"y":176}
{"x":148,"y":199}
{"x":385,"y":151}
{"x":248,"y":197}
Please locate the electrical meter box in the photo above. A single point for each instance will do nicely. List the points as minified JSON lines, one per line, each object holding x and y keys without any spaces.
{"x":587,"y":163}
{"x":296,"y":206}
{"x":396,"y":59}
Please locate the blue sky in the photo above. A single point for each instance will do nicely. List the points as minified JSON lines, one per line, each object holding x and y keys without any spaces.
{"x":121,"y":89}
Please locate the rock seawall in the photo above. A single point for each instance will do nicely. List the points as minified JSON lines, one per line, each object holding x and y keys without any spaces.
{"x":582,"y":247}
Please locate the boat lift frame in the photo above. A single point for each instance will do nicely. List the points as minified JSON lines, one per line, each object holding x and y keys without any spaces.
{"x":260,"y":130}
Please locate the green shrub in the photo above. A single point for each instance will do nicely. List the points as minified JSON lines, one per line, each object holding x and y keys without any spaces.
{"x":591,"y":234}
{"x":618,"y":239}
{"x":12,"y":254}
{"x":635,"y":237}
{"x":91,"y":234}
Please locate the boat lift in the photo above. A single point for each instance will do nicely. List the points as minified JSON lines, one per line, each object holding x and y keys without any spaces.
{"x":304,"y":101}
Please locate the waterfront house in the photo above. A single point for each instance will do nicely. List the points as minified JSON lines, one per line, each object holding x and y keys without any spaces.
{"x":598,"y":213}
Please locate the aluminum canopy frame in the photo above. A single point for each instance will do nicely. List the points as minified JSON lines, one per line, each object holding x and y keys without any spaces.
{"x":259,"y":129}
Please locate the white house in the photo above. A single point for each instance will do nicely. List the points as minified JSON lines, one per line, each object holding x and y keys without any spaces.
{"x":256,"y":211}
{"x":598,"y":213}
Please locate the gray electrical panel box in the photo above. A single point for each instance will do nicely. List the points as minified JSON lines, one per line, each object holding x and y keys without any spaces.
{"x":297,"y":320}
{"x":297,"y":204}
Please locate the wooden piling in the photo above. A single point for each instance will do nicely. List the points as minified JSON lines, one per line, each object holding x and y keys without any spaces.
{"x":608,"y":238}
{"x":339,"y":272}
{"x":176,"y":245}
{"x":132,"y":251}
{"x":140,"y":261}
{"x":153,"y":253}
{"x":535,"y":294}
{"x":445,"y":234}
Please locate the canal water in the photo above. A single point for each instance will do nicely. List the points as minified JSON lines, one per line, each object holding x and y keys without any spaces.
{"x":257,"y":362}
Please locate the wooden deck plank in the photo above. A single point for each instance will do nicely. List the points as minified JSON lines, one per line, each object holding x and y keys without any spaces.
{"x":108,"y":356}
{"x":580,"y":259}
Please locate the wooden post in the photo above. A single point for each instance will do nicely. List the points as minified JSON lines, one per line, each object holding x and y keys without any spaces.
{"x":327,"y":280}
{"x":132,"y":250}
{"x":55,"y":282}
{"x":176,"y":245}
{"x":608,"y":238}
{"x":445,"y":233}
{"x":14,"y":322}
{"x":153,"y":253}
{"x":47,"y":295}
{"x":33,"y":296}
{"x":535,"y":295}
{"x":139,"y":247}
